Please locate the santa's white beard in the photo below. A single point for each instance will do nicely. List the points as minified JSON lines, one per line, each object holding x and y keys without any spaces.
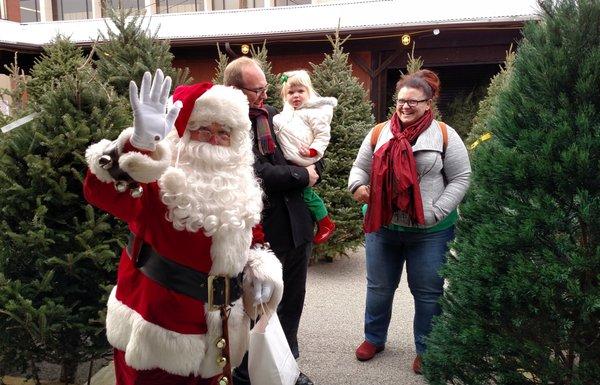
{"x":213,"y":188}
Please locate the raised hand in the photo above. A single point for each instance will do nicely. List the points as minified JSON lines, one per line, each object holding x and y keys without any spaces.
{"x":150,"y":121}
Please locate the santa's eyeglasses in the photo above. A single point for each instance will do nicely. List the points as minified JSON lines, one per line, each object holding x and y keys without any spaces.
{"x":204,"y":134}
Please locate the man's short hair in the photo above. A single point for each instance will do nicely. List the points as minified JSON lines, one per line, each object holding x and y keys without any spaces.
{"x":234,"y":72}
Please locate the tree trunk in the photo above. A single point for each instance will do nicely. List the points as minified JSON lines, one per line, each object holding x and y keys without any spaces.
{"x":67,"y":372}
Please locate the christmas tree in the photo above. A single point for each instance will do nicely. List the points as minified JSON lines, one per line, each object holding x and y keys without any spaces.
{"x":488,"y":105}
{"x":523,"y":301}
{"x":57,"y":254}
{"x":274,"y":81}
{"x":352,"y":120}
{"x":222,"y":62}
{"x":127,"y":50}
{"x":14,"y":99}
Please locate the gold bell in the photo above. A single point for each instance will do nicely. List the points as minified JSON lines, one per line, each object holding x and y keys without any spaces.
{"x":222,"y":361}
{"x":137,"y":192}
{"x":224,"y":381}
{"x":121,"y":186}
{"x":221,"y":343}
{"x":105,"y":162}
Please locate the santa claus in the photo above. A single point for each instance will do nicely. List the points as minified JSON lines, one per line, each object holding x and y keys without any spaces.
{"x":191,"y":200}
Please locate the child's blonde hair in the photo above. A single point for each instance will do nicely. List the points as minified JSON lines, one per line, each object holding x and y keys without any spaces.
{"x":298,"y":78}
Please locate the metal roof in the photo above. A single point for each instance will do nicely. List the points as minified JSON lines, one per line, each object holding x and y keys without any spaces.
{"x":250,"y":23}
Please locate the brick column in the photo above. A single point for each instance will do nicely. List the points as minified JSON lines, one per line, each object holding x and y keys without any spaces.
{"x":13,"y":10}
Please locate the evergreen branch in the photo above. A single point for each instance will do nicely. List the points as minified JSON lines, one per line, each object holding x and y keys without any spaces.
{"x":27,"y":326}
{"x":88,"y":60}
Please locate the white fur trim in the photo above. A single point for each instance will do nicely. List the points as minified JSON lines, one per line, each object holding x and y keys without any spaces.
{"x":92,"y":155}
{"x":239,"y":333}
{"x":142,"y":168}
{"x":229,"y":250}
{"x":262,"y":265}
{"x":173,"y":179}
{"x":146,"y":168}
{"x":220,"y":104}
{"x":238,"y":326}
{"x":149,"y":346}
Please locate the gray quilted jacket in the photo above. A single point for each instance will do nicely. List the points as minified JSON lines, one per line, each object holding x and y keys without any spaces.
{"x":440,"y":197}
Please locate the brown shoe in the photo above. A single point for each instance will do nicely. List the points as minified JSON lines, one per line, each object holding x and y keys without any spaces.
{"x":417,"y":363}
{"x":367,"y":350}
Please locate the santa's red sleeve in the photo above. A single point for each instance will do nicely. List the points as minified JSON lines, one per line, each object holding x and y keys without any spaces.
{"x":258,"y":234}
{"x":98,"y":187}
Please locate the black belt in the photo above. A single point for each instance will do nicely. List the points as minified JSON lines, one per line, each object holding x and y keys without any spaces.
{"x":214,"y":290}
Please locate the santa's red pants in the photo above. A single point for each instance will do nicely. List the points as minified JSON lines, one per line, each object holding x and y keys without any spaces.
{"x":126,"y":375}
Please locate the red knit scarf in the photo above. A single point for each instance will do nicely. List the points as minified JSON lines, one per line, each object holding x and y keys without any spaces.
{"x":394,"y":180}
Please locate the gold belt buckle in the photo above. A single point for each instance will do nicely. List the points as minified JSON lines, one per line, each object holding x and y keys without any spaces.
{"x":211,"y":293}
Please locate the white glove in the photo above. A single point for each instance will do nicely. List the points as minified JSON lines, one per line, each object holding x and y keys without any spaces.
{"x":262,"y":291}
{"x":150,"y":123}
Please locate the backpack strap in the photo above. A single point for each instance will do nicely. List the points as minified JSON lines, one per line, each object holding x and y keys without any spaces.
{"x":375,"y":134}
{"x":444,"y":130}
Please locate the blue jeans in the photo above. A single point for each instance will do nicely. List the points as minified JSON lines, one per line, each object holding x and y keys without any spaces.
{"x":424,"y":253}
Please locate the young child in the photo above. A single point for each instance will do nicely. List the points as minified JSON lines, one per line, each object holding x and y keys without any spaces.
{"x":303,"y":132}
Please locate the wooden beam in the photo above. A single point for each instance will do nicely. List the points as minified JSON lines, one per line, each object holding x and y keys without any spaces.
{"x":383,"y":66}
{"x":360,"y":62}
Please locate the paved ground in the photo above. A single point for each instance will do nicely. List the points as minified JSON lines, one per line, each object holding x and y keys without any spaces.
{"x":332,"y":327}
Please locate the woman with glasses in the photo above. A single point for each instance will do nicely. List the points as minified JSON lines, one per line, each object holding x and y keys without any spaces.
{"x":412,"y":172}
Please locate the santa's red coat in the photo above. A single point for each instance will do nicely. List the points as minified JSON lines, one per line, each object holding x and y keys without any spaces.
{"x":145,"y":217}
{"x":151,"y":326}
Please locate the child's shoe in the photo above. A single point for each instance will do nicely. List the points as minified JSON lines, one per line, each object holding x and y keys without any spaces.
{"x":325,"y":228}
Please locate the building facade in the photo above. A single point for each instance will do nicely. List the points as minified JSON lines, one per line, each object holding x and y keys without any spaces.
{"x":27,"y":11}
{"x":463,"y":40}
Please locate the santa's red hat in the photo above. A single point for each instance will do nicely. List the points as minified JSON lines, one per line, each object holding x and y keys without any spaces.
{"x":188,"y":94}
{"x":224,"y":105}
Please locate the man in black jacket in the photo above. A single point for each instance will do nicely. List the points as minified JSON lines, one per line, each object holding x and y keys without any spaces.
{"x":286,"y":220}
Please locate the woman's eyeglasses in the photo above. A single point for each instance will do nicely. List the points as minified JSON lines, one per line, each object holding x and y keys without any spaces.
{"x":410,"y":102}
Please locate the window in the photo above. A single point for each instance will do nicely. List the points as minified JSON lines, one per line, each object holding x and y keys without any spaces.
{"x":219,"y":5}
{"x":128,"y":5}
{"x":72,"y":9}
{"x":174,"y":6}
{"x":30,"y":11}
{"x":283,"y":3}
{"x":125,"y":4}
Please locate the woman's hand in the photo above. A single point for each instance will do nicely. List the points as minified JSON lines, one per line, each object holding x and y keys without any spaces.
{"x":362,"y":194}
{"x":150,"y":122}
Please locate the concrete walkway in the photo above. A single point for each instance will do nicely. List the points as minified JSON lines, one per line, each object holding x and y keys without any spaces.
{"x":332,"y":328}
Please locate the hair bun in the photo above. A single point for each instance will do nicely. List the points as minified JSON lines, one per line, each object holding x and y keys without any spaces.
{"x":432,"y":79}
